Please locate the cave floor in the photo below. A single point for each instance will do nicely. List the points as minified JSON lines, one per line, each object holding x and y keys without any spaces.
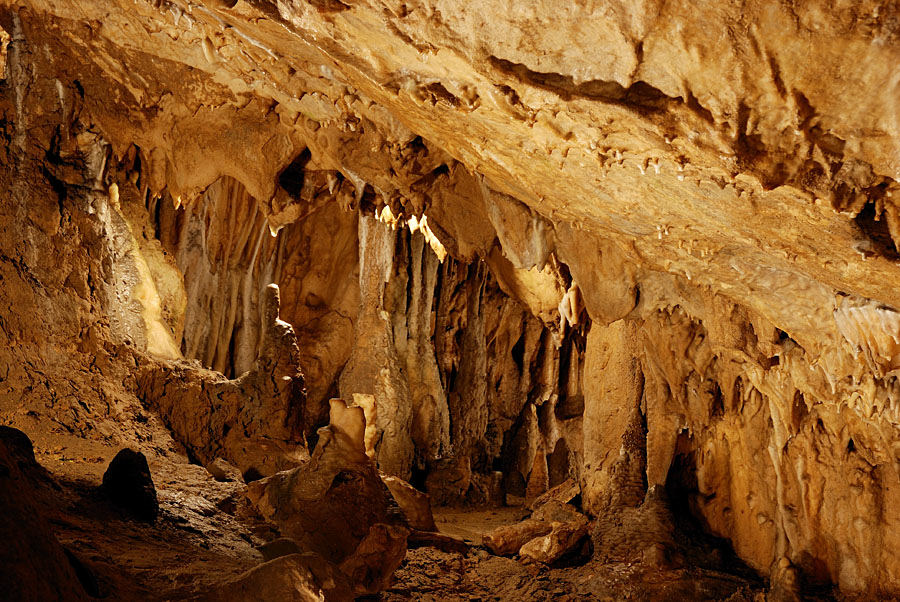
{"x":432,"y":574}
{"x":206,"y":534}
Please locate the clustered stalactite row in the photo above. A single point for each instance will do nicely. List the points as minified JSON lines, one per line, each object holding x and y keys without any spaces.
{"x":473,"y":368}
{"x":774,"y":422}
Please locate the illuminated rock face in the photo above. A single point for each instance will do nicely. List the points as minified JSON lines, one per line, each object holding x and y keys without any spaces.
{"x":654,"y":245}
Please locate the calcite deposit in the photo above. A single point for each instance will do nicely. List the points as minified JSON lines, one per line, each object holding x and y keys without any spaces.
{"x":643,"y":255}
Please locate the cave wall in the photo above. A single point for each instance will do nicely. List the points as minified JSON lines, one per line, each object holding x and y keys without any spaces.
{"x":742,"y":428}
{"x":94,"y":307}
{"x":676,"y":255}
{"x":72,"y":279}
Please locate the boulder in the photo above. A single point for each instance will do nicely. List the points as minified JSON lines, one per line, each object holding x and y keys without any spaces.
{"x":508,"y":539}
{"x":19,"y":447}
{"x":555,"y":529}
{"x":564,"y":540}
{"x":224,"y":472}
{"x":128,"y":484}
{"x":291,"y":578}
{"x":337,"y":506}
{"x":375,"y":559}
{"x":416,"y":506}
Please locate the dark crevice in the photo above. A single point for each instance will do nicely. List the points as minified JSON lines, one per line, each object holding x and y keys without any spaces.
{"x":84,"y":575}
{"x":136,"y":168}
{"x":717,"y":408}
{"x":417,"y":477}
{"x":799,"y":411}
{"x":251,"y":474}
{"x":369,"y":201}
{"x":693,"y":104}
{"x":784,"y":337}
{"x":737,"y":396}
{"x":157,"y":219}
{"x":878,"y":240}
{"x":192,"y":456}
{"x":776,"y":77}
{"x":59,"y":188}
{"x":639,"y":94}
{"x":691,"y":532}
{"x":558,"y":466}
{"x":323,"y":6}
{"x":518,"y":352}
{"x":514,"y":482}
{"x":291,"y":178}
{"x":438,"y":92}
{"x":805,"y":110}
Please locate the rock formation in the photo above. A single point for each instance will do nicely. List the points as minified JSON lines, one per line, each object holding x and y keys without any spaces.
{"x":129,"y":485}
{"x":252,"y":420}
{"x":335,"y":505}
{"x":647,"y":252}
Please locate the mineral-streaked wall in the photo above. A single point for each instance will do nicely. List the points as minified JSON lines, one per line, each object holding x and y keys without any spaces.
{"x":712,"y":182}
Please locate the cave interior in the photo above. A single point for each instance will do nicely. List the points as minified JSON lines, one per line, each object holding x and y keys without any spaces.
{"x":445,"y":300}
